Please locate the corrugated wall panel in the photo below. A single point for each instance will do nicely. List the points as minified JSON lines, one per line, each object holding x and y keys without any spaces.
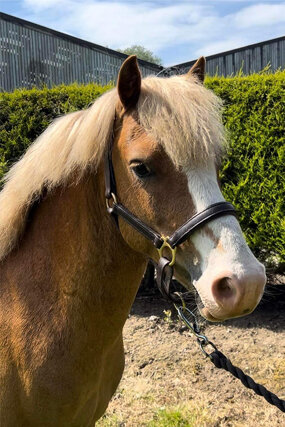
{"x":32,"y":56}
{"x":250,"y":59}
{"x":282,"y":51}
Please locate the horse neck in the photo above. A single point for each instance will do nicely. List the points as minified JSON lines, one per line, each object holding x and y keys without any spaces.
{"x":73,"y":255}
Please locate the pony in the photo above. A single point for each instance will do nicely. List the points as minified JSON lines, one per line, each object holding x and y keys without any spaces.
{"x":69,"y":274}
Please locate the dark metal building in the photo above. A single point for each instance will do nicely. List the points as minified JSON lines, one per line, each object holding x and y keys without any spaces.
{"x":248,"y":59}
{"x":33,"y":55}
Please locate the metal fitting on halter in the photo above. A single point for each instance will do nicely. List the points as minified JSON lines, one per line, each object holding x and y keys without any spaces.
{"x":112,"y":199}
{"x":165,"y":244}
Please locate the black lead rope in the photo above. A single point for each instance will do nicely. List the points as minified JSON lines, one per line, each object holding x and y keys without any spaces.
{"x":221,"y":361}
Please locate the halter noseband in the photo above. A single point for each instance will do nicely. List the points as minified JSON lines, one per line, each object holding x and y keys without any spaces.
{"x":164,"y":267}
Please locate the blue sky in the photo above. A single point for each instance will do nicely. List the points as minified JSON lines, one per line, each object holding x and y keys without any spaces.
{"x":177,"y":30}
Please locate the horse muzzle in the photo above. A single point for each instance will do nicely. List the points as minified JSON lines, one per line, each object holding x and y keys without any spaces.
{"x":227,"y":295}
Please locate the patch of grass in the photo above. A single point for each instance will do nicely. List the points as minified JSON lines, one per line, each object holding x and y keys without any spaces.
{"x":168,"y":418}
{"x":279,"y":371}
{"x":181,"y":416}
{"x":109,"y":421}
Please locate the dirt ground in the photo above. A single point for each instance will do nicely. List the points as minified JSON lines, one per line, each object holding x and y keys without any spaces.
{"x":168,"y":382}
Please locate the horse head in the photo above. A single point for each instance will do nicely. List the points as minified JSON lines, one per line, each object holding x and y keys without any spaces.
{"x":168,"y":141}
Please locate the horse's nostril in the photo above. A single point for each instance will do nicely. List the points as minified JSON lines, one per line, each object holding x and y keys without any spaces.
{"x":222,"y":289}
{"x":232,"y":296}
{"x":224,"y":285}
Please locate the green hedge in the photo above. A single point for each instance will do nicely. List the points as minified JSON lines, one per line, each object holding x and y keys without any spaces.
{"x":24,"y":115}
{"x":252,"y":176}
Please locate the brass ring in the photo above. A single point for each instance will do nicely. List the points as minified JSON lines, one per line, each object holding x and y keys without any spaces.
{"x":165,"y":244}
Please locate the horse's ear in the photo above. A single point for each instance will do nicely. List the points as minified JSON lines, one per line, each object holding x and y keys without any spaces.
{"x":199,"y":69}
{"x":129,"y":82}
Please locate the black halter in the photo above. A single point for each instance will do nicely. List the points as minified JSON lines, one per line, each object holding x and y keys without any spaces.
{"x":164,"y":268}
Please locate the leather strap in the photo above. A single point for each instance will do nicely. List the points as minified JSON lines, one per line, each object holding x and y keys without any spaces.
{"x":164,"y":273}
{"x":110,"y":182}
{"x":119,"y":210}
{"x":192,"y":224}
{"x":182,"y":233}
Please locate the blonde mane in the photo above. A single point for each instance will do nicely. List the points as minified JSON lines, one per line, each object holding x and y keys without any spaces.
{"x":182,"y":116}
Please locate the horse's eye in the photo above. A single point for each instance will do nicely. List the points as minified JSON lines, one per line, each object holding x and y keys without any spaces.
{"x":141,"y":170}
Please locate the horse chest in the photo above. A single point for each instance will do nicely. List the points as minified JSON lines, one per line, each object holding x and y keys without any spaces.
{"x":65,"y":382}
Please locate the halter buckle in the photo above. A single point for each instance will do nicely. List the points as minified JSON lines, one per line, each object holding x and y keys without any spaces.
{"x":165,"y":244}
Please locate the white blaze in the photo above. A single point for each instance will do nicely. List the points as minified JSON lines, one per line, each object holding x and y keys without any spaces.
{"x":231,"y":256}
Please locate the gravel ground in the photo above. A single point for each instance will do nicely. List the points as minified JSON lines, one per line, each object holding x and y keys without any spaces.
{"x":166,"y":373}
